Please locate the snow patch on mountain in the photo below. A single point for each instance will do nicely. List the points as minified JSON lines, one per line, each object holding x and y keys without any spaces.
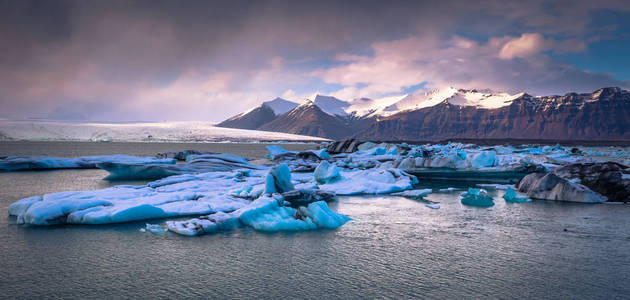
{"x":280,"y":106}
{"x":478,"y":98}
{"x":332,"y":105}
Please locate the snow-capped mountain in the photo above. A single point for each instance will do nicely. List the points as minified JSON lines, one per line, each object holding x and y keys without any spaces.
{"x":452,"y":113}
{"x":332,"y":105}
{"x":259,"y":115}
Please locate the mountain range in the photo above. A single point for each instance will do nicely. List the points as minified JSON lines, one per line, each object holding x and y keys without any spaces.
{"x":449,"y":114}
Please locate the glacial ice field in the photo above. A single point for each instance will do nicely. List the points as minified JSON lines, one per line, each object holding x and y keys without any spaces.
{"x":289,"y":190}
{"x":42,"y":130}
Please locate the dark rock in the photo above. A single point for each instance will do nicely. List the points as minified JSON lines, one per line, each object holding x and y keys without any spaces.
{"x":301,"y":197}
{"x":604,"y":178}
{"x":551,"y":187}
{"x":181,"y":155}
{"x":345,"y":146}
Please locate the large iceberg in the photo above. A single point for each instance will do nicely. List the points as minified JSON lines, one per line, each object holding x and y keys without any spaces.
{"x":195,"y":164}
{"x":267,"y":213}
{"x":372,"y":181}
{"x":18,"y":163}
{"x":174,"y":196}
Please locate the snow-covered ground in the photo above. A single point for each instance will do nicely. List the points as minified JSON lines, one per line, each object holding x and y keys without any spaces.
{"x":128,"y":132}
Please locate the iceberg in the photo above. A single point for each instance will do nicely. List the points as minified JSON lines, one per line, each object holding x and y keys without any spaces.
{"x":278,"y":180}
{"x":275,"y":151}
{"x":513,"y":197}
{"x":19,"y":163}
{"x":414,"y":193}
{"x":326,"y":173}
{"x":372,"y":181}
{"x":195,"y":164}
{"x":266,"y":213}
{"x":477,"y":197}
{"x":154,"y":228}
{"x":174,"y":196}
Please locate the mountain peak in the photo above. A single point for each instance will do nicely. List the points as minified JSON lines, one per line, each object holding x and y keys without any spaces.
{"x":279,"y":105}
{"x":331,"y":105}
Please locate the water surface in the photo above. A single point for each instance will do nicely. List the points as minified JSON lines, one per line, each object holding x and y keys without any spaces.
{"x":394,"y":247}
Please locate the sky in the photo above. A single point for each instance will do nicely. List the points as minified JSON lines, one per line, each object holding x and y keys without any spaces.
{"x":207,"y":60}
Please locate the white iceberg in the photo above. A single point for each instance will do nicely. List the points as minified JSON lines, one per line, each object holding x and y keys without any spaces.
{"x":175,"y":196}
{"x":372,"y":181}
{"x":414,"y":193}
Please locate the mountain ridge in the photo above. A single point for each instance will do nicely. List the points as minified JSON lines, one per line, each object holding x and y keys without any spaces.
{"x":456,"y":113}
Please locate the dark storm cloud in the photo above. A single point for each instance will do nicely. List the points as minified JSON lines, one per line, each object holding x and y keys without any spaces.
{"x":127,"y":60}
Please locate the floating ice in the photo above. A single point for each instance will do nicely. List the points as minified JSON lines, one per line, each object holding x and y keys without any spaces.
{"x":414,"y":193}
{"x":483,"y":159}
{"x":275,"y":150}
{"x":16,"y":163}
{"x":154,"y":228}
{"x":477,"y":197}
{"x":278,"y":180}
{"x":196,"y":164}
{"x":372,"y":181}
{"x":174,"y":196}
{"x":512,"y":196}
{"x":433,"y":206}
{"x":326,"y":173}
{"x":264,"y":214}
{"x":497,"y":186}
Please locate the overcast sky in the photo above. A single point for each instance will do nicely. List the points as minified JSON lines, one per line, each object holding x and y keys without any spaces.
{"x":206,"y":60}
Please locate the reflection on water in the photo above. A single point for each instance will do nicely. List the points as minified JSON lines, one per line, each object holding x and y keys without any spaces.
{"x":394,"y":248}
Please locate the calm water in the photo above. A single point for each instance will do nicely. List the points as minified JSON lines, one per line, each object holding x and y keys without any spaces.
{"x":394,"y":247}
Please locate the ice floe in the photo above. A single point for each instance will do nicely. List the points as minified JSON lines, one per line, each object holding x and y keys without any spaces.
{"x":19,"y":163}
{"x":194,"y":164}
{"x":477,"y":197}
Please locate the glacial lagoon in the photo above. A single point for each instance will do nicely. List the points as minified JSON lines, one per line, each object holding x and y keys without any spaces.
{"x":394,"y":246}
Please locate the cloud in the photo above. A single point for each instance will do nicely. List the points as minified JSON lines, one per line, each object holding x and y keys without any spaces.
{"x":204,"y":60}
{"x":530,"y":44}
{"x":501,"y":63}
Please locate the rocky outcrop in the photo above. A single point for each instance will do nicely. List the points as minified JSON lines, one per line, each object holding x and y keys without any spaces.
{"x":604,"y":178}
{"x":345,"y":146}
{"x":552,"y":187}
{"x":180,"y":155}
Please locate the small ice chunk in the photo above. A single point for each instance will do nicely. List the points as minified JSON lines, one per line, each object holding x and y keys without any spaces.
{"x":155,"y":228}
{"x":414,"y":193}
{"x":433,"y":206}
{"x":496,"y":186}
{"x":275,"y":150}
{"x":512,"y":196}
{"x":449,"y":189}
{"x":326,"y":173}
{"x":477,"y":197}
